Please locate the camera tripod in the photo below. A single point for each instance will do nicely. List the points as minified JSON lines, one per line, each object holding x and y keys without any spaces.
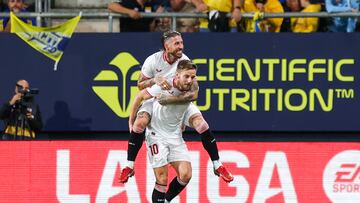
{"x":21,"y":123}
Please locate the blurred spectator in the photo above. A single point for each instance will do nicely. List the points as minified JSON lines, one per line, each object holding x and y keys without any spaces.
{"x":187,"y":6}
{"x":162,"y":24}
{"x":304,"y":24}
{"x":267,"y":6}
{"x":294,"y":5}
{"x":1,"y":6}
{"x":217,"y":16}
{"x":342,"y":24}
{"x":132,"y":8}
{"x":15,"y":6}
{"x":323,"y":22}
{"x":289,"y":6}
{"x":21,"y":114}
{"x":165,"y":4}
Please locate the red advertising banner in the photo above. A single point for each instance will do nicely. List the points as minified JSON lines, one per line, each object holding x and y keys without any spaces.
{"x":271,"y":172}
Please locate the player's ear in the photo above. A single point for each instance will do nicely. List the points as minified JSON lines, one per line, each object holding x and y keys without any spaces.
{"x":177,"y":74}
{"x":166,"y":46}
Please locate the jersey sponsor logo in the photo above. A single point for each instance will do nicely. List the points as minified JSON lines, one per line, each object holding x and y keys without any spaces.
{"x":117,"y":88}
{"x":341,"y":180}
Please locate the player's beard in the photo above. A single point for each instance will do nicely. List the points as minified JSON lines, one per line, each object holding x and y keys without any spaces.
{"x":176,"y":53}
{"x":185,"y":87}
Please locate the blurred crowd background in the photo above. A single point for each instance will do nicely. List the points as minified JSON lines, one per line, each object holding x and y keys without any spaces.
{"x":216,"y":19}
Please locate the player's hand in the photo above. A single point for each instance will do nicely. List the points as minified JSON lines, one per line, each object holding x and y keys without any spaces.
{"x":162,"y":82}
{"x":162,"y":99}
{"x":15,"y":98}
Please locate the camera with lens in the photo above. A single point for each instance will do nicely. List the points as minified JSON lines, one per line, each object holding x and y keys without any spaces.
{"x":26,"y":100}
{"x":28,"y":92}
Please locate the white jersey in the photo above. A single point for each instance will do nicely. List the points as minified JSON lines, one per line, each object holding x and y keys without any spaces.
{"x":167,"y":120}
{"x":157,"y":65}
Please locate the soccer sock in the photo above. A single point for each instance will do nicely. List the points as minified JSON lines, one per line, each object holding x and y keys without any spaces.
{"x":176,"y":186}
{"x":216,"y":164}
{"x":134,"y":145}
{"x":130,"y":164}
{"x":158,"y":194}
{"x":209,"y":143}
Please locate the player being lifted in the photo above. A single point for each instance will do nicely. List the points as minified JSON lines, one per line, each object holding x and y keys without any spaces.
{"x":165,"y":144}
{"x":155,"y":70}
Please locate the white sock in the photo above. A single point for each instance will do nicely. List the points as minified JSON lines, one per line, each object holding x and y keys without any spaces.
{"x":216,"y":164}
{"x":130,"y":164}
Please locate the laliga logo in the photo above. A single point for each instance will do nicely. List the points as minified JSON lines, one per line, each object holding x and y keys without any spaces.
{"x":110,"y":94}
{"x":341,"y":179}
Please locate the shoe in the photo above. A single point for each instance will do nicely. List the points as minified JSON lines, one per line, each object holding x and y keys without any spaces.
{"x":224,"y":174}
{"x":125,"y":174}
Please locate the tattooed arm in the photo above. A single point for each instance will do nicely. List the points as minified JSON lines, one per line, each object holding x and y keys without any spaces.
{"x":144,"y":82}
{"x":188,"y":96}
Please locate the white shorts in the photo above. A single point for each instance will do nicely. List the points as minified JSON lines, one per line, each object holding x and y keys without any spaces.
{"x":162,"y":151}
{"x":191,"y":110}
{"x":147,"y":106}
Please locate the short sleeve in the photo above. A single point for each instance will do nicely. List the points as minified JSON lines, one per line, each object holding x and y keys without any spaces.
{"x":147,"y":68}
{"x":154,"y":90}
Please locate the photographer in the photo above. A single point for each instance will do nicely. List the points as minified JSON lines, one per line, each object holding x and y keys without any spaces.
{"x":21,"y":114}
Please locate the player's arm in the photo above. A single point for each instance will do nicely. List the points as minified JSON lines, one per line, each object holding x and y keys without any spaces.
{"x":187,"y":96}
{"x":144,"y":82}
{"x":139,"y":98}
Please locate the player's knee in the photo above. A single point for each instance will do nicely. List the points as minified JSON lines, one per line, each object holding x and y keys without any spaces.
{"x":201,"y":127}
{"x":185,"y":173}
{"x":138,"y":129}
{"x":186,"y":176}
{"x":142,"y":120}
{"x":195,"y":120}
{"x":162,"y":178}
{"x":143,"y":117}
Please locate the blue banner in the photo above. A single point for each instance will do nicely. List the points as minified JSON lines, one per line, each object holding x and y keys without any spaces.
{"x":248,"y":82}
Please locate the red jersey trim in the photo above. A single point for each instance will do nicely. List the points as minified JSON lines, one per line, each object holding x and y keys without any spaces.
{"x":166,"y":59}
{"x":147,"y":92}
{"x":145,"y":76}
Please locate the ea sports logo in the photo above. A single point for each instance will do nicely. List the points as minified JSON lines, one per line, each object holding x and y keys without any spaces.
{"x":117,"y":92}
{"x":341,"y":179}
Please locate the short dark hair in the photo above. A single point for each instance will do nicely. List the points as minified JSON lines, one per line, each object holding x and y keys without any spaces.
{"x":167,"y":35}
{"x":186,"y":65}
